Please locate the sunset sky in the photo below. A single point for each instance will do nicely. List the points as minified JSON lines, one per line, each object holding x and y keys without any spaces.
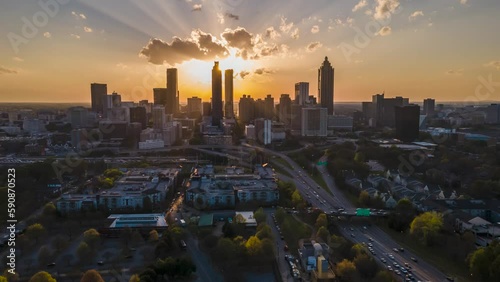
{"x":416,"y":49}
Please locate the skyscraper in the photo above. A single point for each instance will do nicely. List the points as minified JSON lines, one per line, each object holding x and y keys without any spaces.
{"x":285,"y":110}
{"x":325,"y":85}
{"x":269,"y":107}
{"x":97,"y":91}
{"x":194,"y":105}
{"x":314,"y":121}
{"x":172,"y":91}
{"x":429,"y":105}
{"x":407,"y":122}
{"x":159,"y":96}
{"x":216,"y":95}
{"x":228,"y":93}
{"x":301,"y":93}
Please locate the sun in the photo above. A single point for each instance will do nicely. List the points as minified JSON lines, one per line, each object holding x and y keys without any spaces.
{"x":200,"y":72}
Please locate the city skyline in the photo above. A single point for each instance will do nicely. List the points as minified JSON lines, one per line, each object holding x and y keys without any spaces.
{"x":411,"y":49}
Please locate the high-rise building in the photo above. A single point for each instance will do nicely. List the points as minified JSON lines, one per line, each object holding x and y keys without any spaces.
{"x":77,"y":117}
{"x":314,"y":121}
{"x":258,"y":108}
{"x":246,"y":109}
{"x":269,"y":107}
{"x":263,"y":130}
{"x":407,"y":122}
{"x":159,"y":118}
{"x":172,"y":106}
{"x":194,"y":105}
{"x":429,"y":105}
{"x":97,"y":91}
{"x":216,"y":95}
{"x":493,"y":114}
{"x":139,"y":115}
{"x":325,"y":85}
{"x":296,"y":119}
{"x":228,"y":94}
{"x":116,"y":100}
{"x":160,"y":96}
{"x":206,"y":109}
{"x":302,"y":93}
{"x":285,"y":110}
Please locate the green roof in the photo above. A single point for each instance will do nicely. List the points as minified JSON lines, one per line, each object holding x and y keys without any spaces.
{"x":206,"y":220}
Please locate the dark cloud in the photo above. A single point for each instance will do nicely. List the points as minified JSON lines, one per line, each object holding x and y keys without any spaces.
{"x":231,"y":16}
{"x":7,"y":71}
{"x":261,"y":71}
{"x":238,"y":38}
{"x":244,"y":73}
{"x":202,"y":46}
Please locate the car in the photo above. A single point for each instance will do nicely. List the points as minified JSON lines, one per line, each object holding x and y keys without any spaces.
{"x":449,"y":278}
{"x":100,"y":262}
{"x":391,"y":257}
{"x":370,"y":239}
{"x":352,"y":235}
{"x":352,"y":229}
{"x":285,"y":247}
{"x":401,"y":249}
{"x":128,"y":256}
{"x":52,"y":264}
{"x":395,"y":250}
{"x":370,"y":244}
{"x":414,"y":259}
{"x":389,"y":268}
{"x":383,"y":260}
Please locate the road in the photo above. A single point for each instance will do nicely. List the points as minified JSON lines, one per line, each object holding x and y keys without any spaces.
{"x":383,"y":243}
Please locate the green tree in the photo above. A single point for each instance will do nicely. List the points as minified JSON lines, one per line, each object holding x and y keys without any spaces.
{"x":484,"y":263}
{"x":3,"y":279}
{"x":280,"y":215}
{"x":384,"y":276}
{"x":91,"y":275}
{"x":42,"y":276}
{"x":366,"y":265}
{"x":264,"y":231}
{"x":402,"y":216}
{"x":359,"y":157}
{"x":340,"y":245}
{"x":225,"y":249}
{"x":83,"y":252}
{"x":49,"y":209}
{"x":260,"y":216}
{"x":137,"y":239}
{"x":364,"y":199}
{"x":60,"y":242}
{"x":35,"y":231}
{"x":92,"y":238}
{"x":134,"y":278}
{"x":321,"y":221}
{"x":323,"y":234}
{"x":427,"y":226}
{"x":346,"y":270}
{"x":268,"y":250}
{"x":153,"y":236}
{"x":254,"y":246}
{"x":296,"y":198}
{"x":358,"y":249}
{"x":44,"y":255}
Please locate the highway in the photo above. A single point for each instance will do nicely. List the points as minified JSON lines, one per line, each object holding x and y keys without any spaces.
{"x":383,"y":244}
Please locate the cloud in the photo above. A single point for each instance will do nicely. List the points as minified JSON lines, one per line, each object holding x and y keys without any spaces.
{"x":284,"y":26}
{"x":4,"y":70}
{"x":295,"y":33}
{"x":271,"y":33}
{"x":455,"y":72}
{"x":75,"y":36}
{"x":238,"y":38}
{"x":415,"y":14}
{"x":121,"y":66}
{"x":87,"y":29}
{"x":244,"y":73}
{"x":385,"y":8}
{"x":201,"y":46}
{"x":358,"y":61}
{"x":313,"y":46}
{"x":493,"y":64}
{"x":261,"y":71}
{"x":17,"y":59}
{"x":79,"y":15}
{"x":47,"y":34}
{"x":463,"y":2}
{"x":361,"y":4}
{"x":220,"y":18}
{"x":196,"y":7}
{"x":232,"y":16}
{"x":384,"y":31}
{"x":315,"y":29}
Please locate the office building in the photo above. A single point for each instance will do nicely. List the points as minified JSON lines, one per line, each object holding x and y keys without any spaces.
{"x":314,"y":121}
{"x":138,"y":114}
{"x":263,"y":130}
{"x":258,"y":108}
{"x":381,"y":111}
{"x":302,"y":93}
{"x":340,"y":123}
{"x":296,"y":119}
{"x":246,"y":109}
{"x":172,"y":103}
{"x":194,"y":105}
{"x":269,"y":107}
{"x":326,"y":85}
{"x":285,"y":108}
{"x":206,"y":109}
{"x":407,"y":122}
{"x":493,"y":114}
{"x":228,"y":94}
{"x":77,"y":117}
{"x":97,"y":91}
{"x":160,"y":96}
{"x":216,"y":95}
{"x":429,"y":105}
{"x":159,"y":118}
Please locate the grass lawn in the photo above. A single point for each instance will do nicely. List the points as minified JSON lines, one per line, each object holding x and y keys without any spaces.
{"x":281,"y":161}
{"x":294,"y":230}
{"x":278,"y":169}
{"x":430,"y":255}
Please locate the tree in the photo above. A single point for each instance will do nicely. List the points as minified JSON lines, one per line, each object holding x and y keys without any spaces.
{"x":44,"y":255}
{"x":3,"y":279}
{"x":260,"y":216}
{"x":42,"y":276}
{"x":296,"y":198}
{"x":402,"y":216}
{"x":384,"y":276}
{"x":264,"y":231}
{"x":137,"y":238}
{"x":427,"y":226}
{"x":147,"y":205}
{"x":364,"y":199}
{"x":49,"y":209}
{"x":153,"y":236}
{"x":239,"y":219}
{"x":268,"y":248}
{"x":60,"y":242}
{"x":91,"y":276}
{"x":280,"y":215}
{"x":83,"y":252}
{"x":254,"y":246}
{"x":10,"y":277}
{"x":134,"y":278}
{"x":358,"y":249}
{"x":366,"y":265}
{"x":346,"y":270}
{"x":225,"y":249}
{"x":359,"y":157}
{"x":323,"y":233}
{"x":35,"y":231}
{"x":321,"y":221}
{"x":484,"y":263}
{"x":92,"y":238}
{"x":340,"y":244}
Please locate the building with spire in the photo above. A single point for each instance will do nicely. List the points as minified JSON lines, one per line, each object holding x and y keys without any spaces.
{"x":216,"y":95}
{"x":325,"y":86}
